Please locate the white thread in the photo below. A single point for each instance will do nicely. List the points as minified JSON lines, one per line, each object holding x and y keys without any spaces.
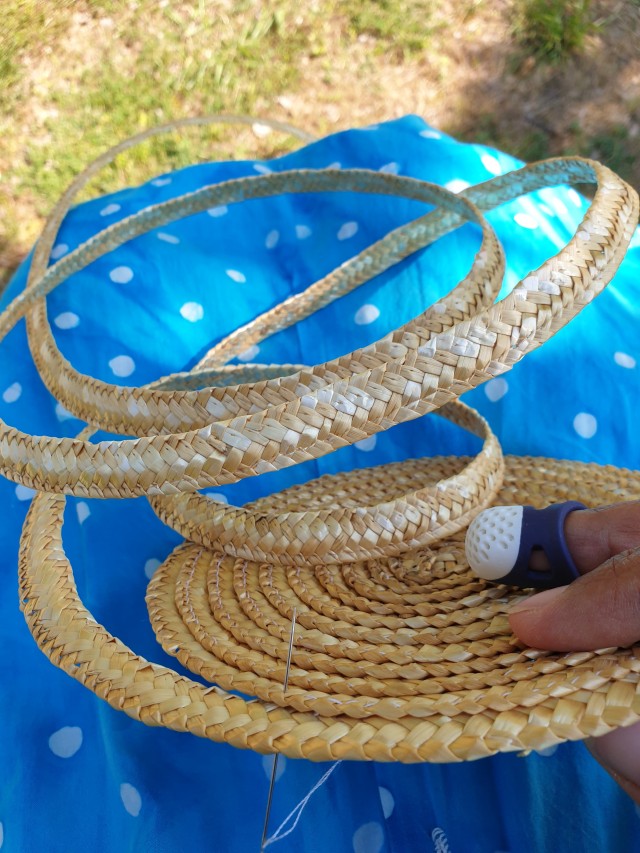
{"x":297,"y":811}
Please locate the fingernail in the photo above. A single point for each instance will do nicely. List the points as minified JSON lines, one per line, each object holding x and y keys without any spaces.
{"x":536,"y":602}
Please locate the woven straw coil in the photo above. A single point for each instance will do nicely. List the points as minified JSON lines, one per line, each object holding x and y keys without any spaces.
{"x":478,"y":691}
{"x":399,"y":653}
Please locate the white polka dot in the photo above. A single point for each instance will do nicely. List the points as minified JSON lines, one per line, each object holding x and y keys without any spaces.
{"x":585,"y":425}
{"x":131,"y":799}
{"x":348,"y":230}
{"x":24,"y":493}
{"x":272,"y":239}
{"x":390,"y":168}
{"x":67,"y":320}
{"x":161,"y":182}
{"x":387,"y":801}
{"x":220,"y":210}
{"x":550,"y":750}
{"x":430,"y":134}
{"x":121,"y":275}
{"x":559,"y":206}
{"x":546,"y":210}
{"x":122,"y":365}
{"x":249,"y":354}
{"x":168,"y":238}
{"x":66,"y":741}
{"x":335,"y":165}
{"x":368,"y":839}
{"x":302,"y":232}
{"x":150,"y":567}
{"x":192,"y":311}
{"x":109,"y":209}
{"x":218,"y":497}
{"x":495,"y":389}
{"x":12,"y":393}
{"x":366,"y":314}
{"x":63,"y":414}
{"x":267,"y":765}
{"x":620,"y":358}
{"x":236,"y":275}
{"x":575,"y":197}
{"x":457,"y":185}
{"x":525,"y":220}
{"x":367,"y":444}
{"x":82,"y":511}
{"x":491,"y":163}
{"x":59,"y":250}
{"x":261,"y":169}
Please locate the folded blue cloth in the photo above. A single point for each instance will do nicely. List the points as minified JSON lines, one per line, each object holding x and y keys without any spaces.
{"x":80,"y":776}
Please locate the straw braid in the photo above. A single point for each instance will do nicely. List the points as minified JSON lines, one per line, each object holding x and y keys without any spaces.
{"x":110,"y":406}
{"x":418,"y":373}
{"x":522,"y":700}
{"x":399,"y":658}
{"x":340,"y":531}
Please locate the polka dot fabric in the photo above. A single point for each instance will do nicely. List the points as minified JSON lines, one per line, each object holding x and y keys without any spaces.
{"x":81,"y":776}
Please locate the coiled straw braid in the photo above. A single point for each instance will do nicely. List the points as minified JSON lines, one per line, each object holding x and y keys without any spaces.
{"x":316,"y":411}
{"x":399,"y":653}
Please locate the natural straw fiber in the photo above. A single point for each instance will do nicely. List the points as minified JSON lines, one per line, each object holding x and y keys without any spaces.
{"x":340,"y":531}
{"x":313,"y":412}
{"x":400,"y":660}
{"x":399,"y":653}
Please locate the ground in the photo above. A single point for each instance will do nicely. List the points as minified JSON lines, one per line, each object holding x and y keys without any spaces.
{"x":76,"y":77}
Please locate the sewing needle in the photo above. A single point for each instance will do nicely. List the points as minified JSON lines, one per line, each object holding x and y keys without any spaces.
{"x":274,"y":768}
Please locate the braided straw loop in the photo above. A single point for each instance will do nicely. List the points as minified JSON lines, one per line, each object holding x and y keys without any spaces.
{"x":400,"y":653}
{"x":341,"y":529}
{"x":100,"y":402}
{"x":323,"y":408}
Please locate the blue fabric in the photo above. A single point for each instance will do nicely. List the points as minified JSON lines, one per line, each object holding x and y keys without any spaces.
{"x":80,"y":776}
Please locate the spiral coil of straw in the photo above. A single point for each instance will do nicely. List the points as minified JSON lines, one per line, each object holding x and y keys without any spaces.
{"x":399,"y":654}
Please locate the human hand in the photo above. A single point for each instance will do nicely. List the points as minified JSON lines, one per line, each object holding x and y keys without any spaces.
{"x":599,"y":609}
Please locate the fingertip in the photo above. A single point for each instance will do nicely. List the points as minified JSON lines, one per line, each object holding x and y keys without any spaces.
{"x":532,"y":620}
{"x":536,"y":602}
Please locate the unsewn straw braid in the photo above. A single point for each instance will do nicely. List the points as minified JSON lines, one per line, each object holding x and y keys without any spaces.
{"x":400,"y":654}
{"x":312,"y":412}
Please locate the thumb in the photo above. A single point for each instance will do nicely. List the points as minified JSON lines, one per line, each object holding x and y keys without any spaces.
{"x":601,"y":608}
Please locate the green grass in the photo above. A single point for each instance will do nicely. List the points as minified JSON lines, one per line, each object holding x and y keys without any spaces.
{"x":203,"y":57}
{"x":77,"y":76}
{"x":197,"y":65}
{"x":552,"y":30}
{"x":24,"y":23}
{"x":402,"y":28}
{"x":612,"y":145}
{"x":529,"y":145}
